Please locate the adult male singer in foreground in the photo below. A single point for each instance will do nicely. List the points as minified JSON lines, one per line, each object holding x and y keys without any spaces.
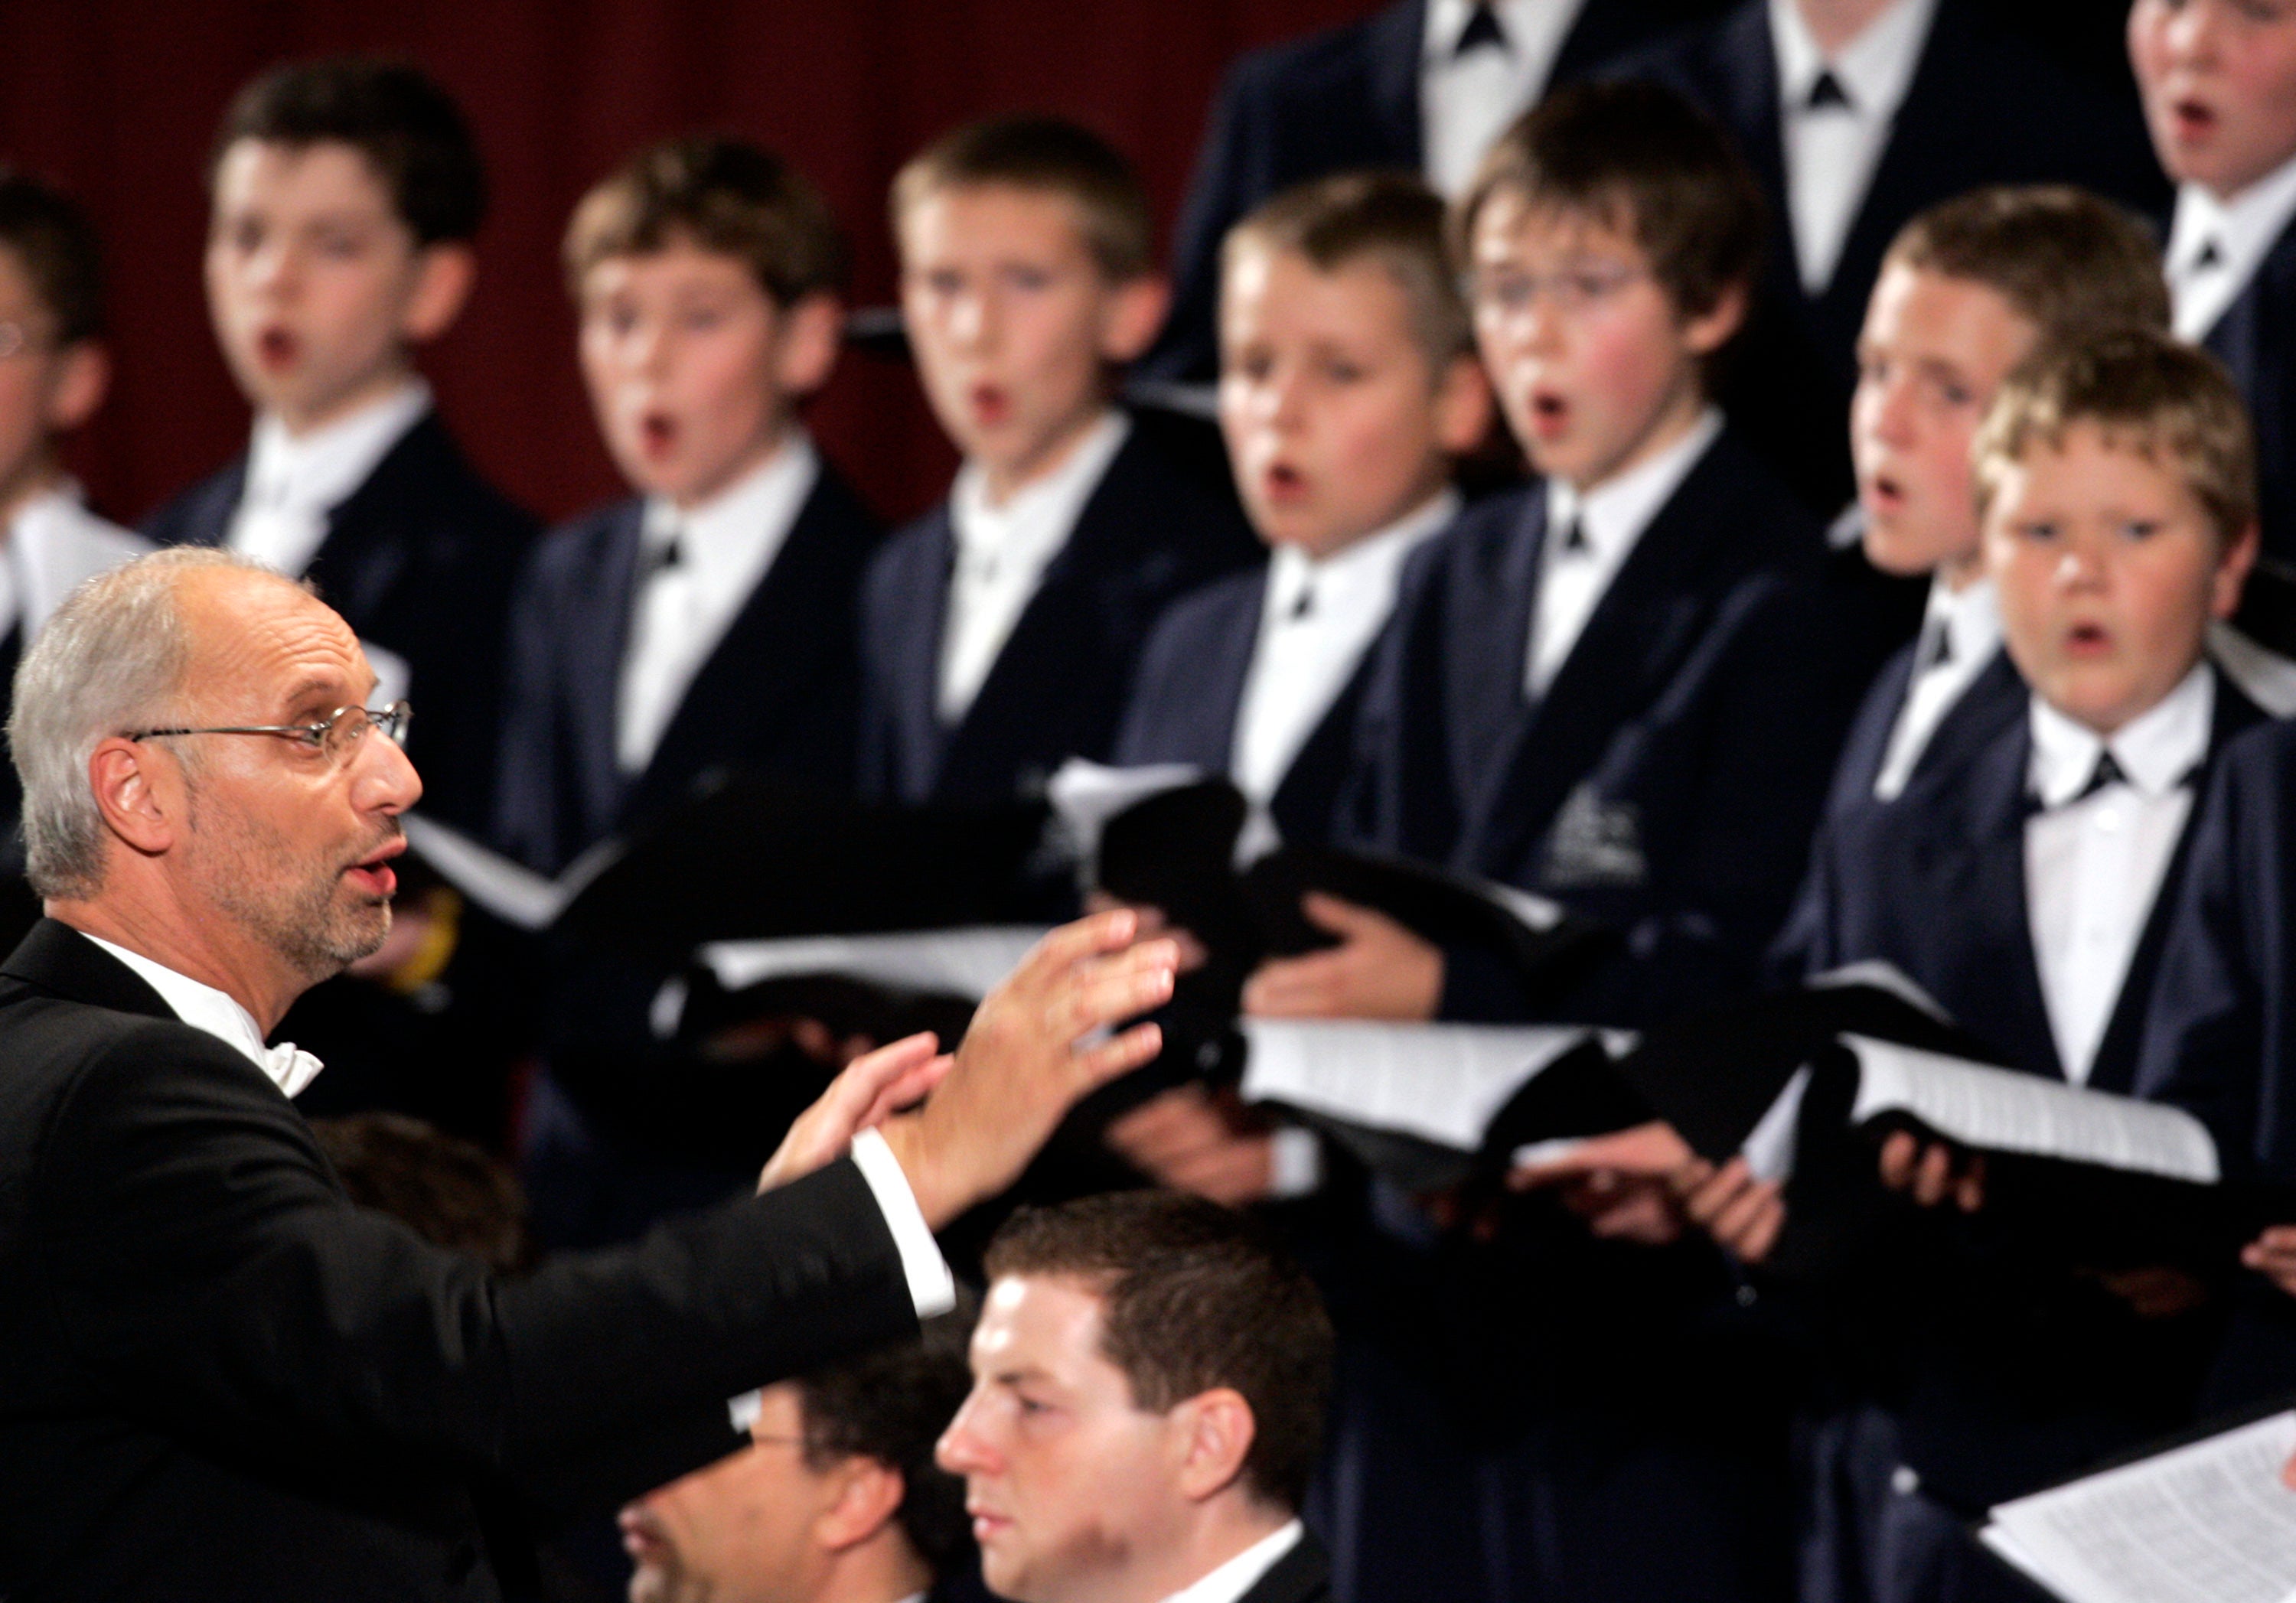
{"x":218,"y":1378}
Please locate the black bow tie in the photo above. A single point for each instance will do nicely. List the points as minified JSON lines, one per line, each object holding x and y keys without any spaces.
{"x":661,"y":557}
{"x":1937,"y":649}
{"x":2209,"y":255}
{"x":1482,"y":28}
{"x":2107,"y":772}
{"x":1575,"y":543}
{"x":1828,"y":91}
{"x":1303,"y":605}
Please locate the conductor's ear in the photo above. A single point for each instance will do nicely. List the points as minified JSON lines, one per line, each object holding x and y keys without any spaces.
{"x":138,"y":791}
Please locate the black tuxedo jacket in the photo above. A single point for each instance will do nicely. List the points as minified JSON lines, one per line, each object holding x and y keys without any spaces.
{"x":1934,"y":884}
{"x":2256,"y":339}
{"x":1668,"y":781}
{"x":1156,"y":527}
{"x":1191,"y":689}
{"x":1341,"y":99}
{"x":219,"y":1379}
{"x":1302,"y":1575}
{"x":778,"y":696}
{"x":1985,"y":106}
{"x":419,"y":560}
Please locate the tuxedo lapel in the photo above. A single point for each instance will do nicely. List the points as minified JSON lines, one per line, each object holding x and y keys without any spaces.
{"x":368,"y":542}
{"x":1393,"y":39}
{"x":1491,"y":613}
{"x":2117,"y":1050}
{"x":597,"y":641}
{"x":914,"y":644}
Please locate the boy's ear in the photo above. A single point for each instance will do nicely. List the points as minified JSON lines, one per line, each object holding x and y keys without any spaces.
{"x":1134,"y":316}
{"x":83,"y":377}
{"x":1462,"y":406}
{"x":811,"y":332}
{"x":444,"y":274}
{"x":2232,"y":573}
{"x":1711,"y":330}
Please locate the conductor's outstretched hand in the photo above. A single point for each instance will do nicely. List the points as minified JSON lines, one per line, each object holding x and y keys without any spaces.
{"x":1037,"y":1044}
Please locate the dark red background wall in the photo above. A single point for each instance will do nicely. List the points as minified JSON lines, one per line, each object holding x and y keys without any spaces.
{"x":116,"y":98}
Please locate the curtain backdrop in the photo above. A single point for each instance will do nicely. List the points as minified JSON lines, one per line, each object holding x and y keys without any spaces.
{"x":117,"y":100}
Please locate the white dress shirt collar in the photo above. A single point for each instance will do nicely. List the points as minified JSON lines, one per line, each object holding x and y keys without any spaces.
{"x":1970,"y":621}
{"x":294,"y":481}
{"x":2243,"y":230}
{"x":52,"y":546}
{"x":1301,"y":662}
{"x":1464,"y":101}
{"x":726,"y":547}
{"x":1831,"y":152}
{"x":2158,"y":749}
{"x":205,"y":1008}
{"x":1002,"y":552}
{"x":1241,"y":1572}
{"x":1612,"y":516}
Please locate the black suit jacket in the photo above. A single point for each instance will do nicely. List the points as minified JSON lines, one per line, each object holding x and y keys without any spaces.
{"x":1302,"y":1575}
{"x":2256,"y":339}
{"x":777,"y":698}
{"x":1666,"y":783}
{"x":419,"y":560}
{"x":1934,"y":884}
{"x":1156,"y":527}
{"x":1986,"y":106}
{"x":219,"y":1379}
{"x":1190,"y":691}
{"x":1344,"y":98}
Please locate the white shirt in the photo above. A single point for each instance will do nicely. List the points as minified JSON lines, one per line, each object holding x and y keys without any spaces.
{"x":1002,"y":553}
{"x":2243,"y":230}
{"x":55,"y":544}
{"x":1241,"y":1572}
{"x":2092,"y":867}
{"x":1613,"y":516}
{"x":1969,"y":622}
{"x":681,"y":610}
{"x":1465,"y":102}
{"x":1301,"y":661}
{"x":294,"y":482}
{"x":204,"y":1008}
{"x":1831,"y":152}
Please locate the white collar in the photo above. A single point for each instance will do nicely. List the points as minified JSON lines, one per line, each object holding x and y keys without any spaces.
{"x":315,"y":472}
{"x":1971,"y":618}
{"x":1447,"y":20}
{"x":1241,"y":1572}
{"x":1614,"y":513}
{"x":1368,"y":561}
{"x":1875,"y":69}
{"x":2158,"y":749}
{"x":1039,"y":514}
{"x":205,"y":1008}
{"x":758,"y":505}
{"x":2244,"y":227}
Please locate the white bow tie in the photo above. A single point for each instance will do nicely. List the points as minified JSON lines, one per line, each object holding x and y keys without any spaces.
{"x":290,"y":1068}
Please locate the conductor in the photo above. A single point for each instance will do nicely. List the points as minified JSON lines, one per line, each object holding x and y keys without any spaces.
{"x":218,"y":1378}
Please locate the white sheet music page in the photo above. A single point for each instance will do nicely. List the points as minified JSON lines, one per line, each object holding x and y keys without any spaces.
{"x":2206,"y":1522}
{"x":1442,"y":1083}
{"x":969,"y":962}
{"x":510,"y":891}
{"x":1087,"y":795}
{"x":2003,"y":1111}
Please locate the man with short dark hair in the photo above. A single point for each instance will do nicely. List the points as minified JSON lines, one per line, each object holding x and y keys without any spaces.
{"x":1149,"y":1383}
{"x":837,"y":1499}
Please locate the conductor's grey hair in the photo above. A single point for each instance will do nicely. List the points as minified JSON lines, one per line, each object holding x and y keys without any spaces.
{"x":110,"y":661}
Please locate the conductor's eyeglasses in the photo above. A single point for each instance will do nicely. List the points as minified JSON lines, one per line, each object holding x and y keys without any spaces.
{"x":338,"y":734}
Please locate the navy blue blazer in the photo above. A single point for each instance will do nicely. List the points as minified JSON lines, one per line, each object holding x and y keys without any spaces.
{"x":2256,"y":339}
{"x":779,"y":697}
{"x":1334,"y":101}
{"x":1667,"y":782}
{"x":1985,"y":106}
{"x":1934,"y":884}
{"x":420,"y":559}
{"x":1190,"y":691}
{"x":1157,"y":527}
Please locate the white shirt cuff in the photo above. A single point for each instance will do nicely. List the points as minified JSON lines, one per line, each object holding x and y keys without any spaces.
{"x":932,"y":1288}
{"x":1295,"y":1161}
